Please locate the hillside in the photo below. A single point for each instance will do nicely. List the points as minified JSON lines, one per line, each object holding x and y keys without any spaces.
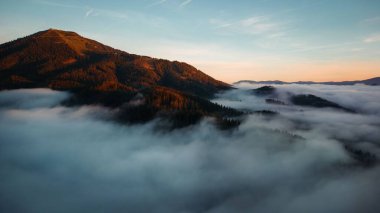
{"x":99,"y":74}
{"x":64,"y":60}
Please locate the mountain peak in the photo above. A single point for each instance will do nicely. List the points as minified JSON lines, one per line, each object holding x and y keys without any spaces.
{"x":72,"y":40}
{"x":55,"y":34}
{"x":67,"y":61}
{"x":98,"y":74}
{"x":58,"y":33}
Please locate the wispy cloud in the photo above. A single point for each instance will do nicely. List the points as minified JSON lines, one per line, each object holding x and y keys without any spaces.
{"x":106,"y":13}
{"x":277,"y":35}
{"x":57,"y":4}
{"x":89,"y":12}
{"x":309,"y":47}
{"x":185,"y":3}
{"x":372,"y":39}
{"x":112,"y":13}
{"x":255,"y":25}
{"x":373,"y":20}
{"x":159,"y":2}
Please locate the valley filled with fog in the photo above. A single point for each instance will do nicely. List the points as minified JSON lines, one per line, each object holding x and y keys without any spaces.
{"x":282,"y":158}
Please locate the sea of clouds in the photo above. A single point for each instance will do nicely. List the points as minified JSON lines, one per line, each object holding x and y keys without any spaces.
{"x":59,"y":159}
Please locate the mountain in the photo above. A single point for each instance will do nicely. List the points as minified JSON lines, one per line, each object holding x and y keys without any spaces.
{"x":64,"y":60}
{"x":99,"y":74}
{"x":370,"y":82}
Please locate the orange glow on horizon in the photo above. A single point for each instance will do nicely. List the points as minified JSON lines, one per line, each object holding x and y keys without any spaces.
{"x":330,"y":71}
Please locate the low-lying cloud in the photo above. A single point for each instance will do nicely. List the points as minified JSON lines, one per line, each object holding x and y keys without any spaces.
{"x":59,"y":159}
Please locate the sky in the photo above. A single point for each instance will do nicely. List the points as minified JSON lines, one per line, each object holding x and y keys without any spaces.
{"x":289,"y":40}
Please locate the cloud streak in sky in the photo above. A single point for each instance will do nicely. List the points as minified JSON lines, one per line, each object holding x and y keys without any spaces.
{"x":372,"y":39}
{"x":254,"y":26}
{"x":372,"y":21}
{"x":157,"y":3}
{"x":57,"y":4}
{"x":185,"y":3}
{"x":89,"y":12}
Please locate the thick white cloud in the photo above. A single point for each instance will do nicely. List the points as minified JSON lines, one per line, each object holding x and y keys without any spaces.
{"x":59,"y":159}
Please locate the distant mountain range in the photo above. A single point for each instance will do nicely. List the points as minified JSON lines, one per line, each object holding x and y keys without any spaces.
{"x":143,"y":87}
{"x":371,"y":82}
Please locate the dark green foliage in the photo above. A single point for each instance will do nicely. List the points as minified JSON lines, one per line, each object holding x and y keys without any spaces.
{"x":227,"y":123}
{"x":364,"y":158}
{"x":265,"y":90}
{"x":94,"y":97}
{"x":274,"y":101}
{"x":266,"y":112}
{"x":136,"y":114}
{"x":182,"y":119}
{"x":314,"y":101}
{"x":175,"y":109}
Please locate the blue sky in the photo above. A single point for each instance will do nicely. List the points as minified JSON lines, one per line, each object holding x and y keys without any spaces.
{"x":230,"y":40}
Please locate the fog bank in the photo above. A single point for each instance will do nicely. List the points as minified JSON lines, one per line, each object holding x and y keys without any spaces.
{"x":59,"y":159}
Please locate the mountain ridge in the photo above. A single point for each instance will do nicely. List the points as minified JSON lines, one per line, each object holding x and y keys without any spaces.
{"x":46,"y":53}
{"x":98,"y":74}
{"x":371,"y":82}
